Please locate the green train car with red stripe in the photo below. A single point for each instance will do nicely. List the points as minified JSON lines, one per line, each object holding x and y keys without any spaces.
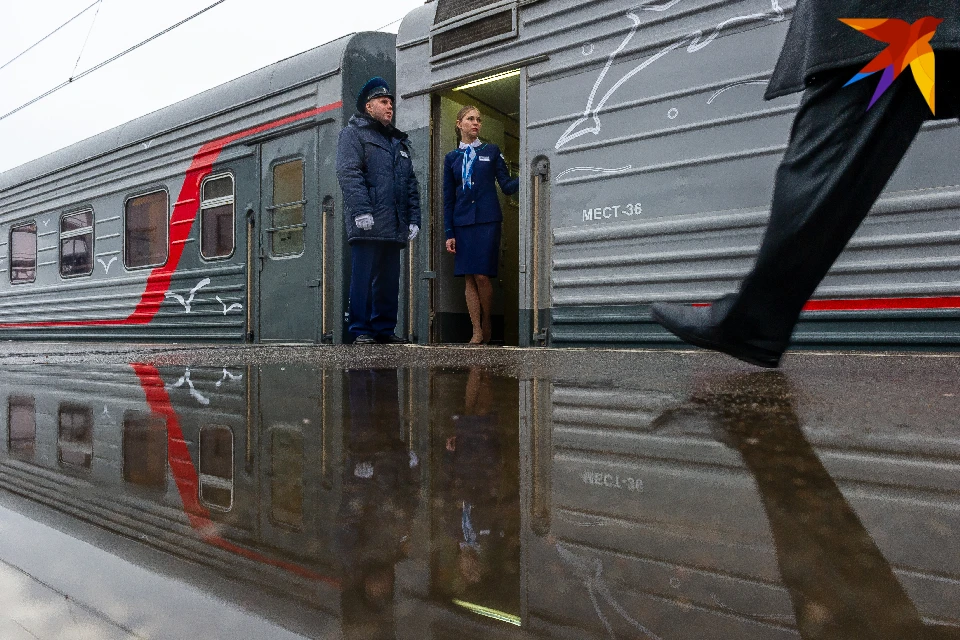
{"x":213,"y":219}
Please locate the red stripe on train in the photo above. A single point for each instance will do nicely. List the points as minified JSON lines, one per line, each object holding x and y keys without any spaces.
{"x":188,"y":480}
{"x":876,"y":304}
{"x":181,"y":222}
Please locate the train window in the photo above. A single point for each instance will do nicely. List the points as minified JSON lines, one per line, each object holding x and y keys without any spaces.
{"x":216,"y":467}
{"x":145,"y":228}
{"x":287,"y":223}
{"x":286,"y":478}
{"x":145,"y":449}
{"x":23,"y":253}
{"x":75,"y":435}
{"x":76,"y":244}
{"x":22,"y":418}
{"x":217,"y":217}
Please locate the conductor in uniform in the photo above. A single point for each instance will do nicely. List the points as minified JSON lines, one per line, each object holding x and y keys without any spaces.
{"x":840,"y":156}
{"x":381,"y":210}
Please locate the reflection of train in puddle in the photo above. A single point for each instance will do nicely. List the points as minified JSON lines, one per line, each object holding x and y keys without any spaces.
{"x":305,"y":482}
{"x":426,"y":503}
{"x":761,"y":507}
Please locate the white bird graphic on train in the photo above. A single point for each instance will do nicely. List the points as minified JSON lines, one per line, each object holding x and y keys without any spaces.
{"x":193,"y":292}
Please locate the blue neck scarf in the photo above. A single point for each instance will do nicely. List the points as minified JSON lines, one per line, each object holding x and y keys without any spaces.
{"x":469,"y":157}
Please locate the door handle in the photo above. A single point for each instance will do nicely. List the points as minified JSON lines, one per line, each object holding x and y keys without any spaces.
{"x":316,"y":282}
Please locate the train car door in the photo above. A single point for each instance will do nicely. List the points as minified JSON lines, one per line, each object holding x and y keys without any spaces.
{"x":498,"y":99}
{"x":290,"y":240}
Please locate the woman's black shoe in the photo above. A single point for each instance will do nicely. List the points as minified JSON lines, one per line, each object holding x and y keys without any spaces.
{"x":364,"y":339}
{"x":692,"y":324}
{"x":391,"y":339}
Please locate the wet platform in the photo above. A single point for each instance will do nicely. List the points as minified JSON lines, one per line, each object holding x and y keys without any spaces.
{"x":380,"y":492}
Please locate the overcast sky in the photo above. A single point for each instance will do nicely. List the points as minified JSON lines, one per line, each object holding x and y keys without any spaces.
{"x":228,"y":41}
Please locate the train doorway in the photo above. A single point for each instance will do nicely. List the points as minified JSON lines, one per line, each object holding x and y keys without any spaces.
{"x":498,"y":99}
{"x":289,"y":253}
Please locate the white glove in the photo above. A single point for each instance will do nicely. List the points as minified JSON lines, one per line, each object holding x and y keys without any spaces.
{"x":365,"y":221}
{"x":414,"y":230}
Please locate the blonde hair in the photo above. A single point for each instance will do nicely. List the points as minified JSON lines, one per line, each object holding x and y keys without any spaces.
{"x":461,"y":115}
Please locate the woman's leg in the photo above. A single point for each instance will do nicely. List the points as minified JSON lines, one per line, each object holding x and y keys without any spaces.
{"x":473,"y":306}
{"x":485,"y":295}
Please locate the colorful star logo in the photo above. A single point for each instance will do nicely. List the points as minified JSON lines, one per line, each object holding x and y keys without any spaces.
{"x":909,"y":46}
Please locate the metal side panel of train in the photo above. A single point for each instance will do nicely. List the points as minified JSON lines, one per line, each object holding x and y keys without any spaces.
{"x":648,"y":155}
{"x":216,"y":218}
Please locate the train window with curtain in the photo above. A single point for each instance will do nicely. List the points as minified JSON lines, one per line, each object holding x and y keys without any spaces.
{"x":145,"y":229}
{"x":216,"y":467}
{"x":217,"y":217}
{"x":286,"y":231}
{"x":23,"y":253}
{"x":145,"y":449}
{"x":76,"y":244}
{"x":22,"y":421}
{"x":286,"y":478}
{"x":75,"y":435}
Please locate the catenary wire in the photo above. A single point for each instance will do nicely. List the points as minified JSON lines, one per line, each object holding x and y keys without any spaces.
{"x":74,"y":78}
{"x":108,"y":61}
{"x":87,"y":39}
{"x":25,"y":51}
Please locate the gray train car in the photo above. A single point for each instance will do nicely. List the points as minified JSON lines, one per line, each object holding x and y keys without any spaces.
{"x":647,"y":155}
{"x":216,"y":218}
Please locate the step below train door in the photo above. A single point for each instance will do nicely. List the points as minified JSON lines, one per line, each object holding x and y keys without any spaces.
{"x":290,"y":240}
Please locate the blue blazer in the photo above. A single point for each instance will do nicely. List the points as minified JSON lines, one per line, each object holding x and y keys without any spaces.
{"x":479,"y":204}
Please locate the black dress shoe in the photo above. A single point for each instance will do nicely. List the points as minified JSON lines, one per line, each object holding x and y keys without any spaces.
{"x":364,"y":339}
{"x":391,"y":339}
{"x":692,"y":324}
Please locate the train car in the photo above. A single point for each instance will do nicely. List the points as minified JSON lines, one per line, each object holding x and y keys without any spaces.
{"x":647,"y":155}
{"x":217,"y":218}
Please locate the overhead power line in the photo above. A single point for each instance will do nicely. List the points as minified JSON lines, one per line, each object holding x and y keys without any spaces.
{"x":85,"y":40}
{"x":76,"y":77}
{"x":28,"y":49}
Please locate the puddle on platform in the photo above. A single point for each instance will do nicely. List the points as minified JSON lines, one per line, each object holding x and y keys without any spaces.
{"x":449,"y":503}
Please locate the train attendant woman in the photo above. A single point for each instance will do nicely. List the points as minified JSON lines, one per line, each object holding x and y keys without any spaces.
{"x":472,"y":216}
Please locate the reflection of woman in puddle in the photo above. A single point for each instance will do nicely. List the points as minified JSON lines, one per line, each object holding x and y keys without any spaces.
{"x":841,"y":585}
{"x":378,"y":496}
{"x":480,"y":504}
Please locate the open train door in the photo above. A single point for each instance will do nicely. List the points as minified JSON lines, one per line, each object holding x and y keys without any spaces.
{"x":497,"y":97}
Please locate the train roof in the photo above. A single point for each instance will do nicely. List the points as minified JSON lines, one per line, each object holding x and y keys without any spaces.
{"x":309,"y":66}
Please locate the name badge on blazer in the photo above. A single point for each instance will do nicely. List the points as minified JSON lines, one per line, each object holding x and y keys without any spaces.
{"x":483,"y":158}
{"x":404,"y":154}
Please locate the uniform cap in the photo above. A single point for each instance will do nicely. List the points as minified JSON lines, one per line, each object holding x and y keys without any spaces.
{"x":375,"y":88}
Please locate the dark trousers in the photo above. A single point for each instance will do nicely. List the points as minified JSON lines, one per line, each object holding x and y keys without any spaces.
{"x":839,"y":160}
{"x":374,"y":288}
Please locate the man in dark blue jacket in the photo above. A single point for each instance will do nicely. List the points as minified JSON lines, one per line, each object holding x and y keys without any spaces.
{"x":381,"y":210}
{"x":840,"y":157}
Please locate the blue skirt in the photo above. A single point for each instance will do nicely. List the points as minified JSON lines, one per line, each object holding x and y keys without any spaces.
{"x":478,"y":249}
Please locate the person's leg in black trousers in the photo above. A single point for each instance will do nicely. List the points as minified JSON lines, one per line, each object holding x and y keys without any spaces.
{"x":839,"y":160}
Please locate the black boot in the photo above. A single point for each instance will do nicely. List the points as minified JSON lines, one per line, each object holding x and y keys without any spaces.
{"x":696,"y":326}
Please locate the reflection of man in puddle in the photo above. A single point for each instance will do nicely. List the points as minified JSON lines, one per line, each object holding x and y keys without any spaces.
{"x":841,"y":585}
{"x":379,"y":493}
{"x":480,"y":504}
